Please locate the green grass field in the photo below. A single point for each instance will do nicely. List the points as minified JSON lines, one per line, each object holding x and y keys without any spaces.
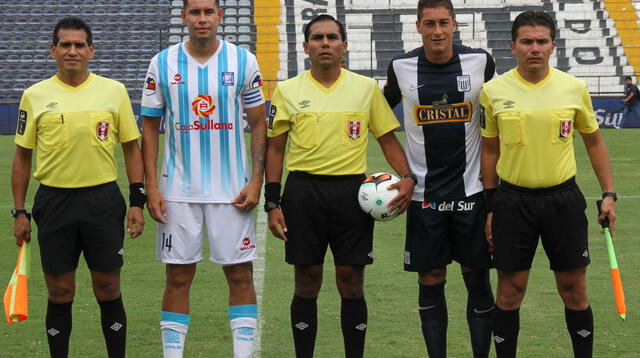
{"x":391,"y":293}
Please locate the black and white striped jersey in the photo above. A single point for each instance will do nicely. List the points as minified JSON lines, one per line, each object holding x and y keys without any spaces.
{"x":441,"y":119}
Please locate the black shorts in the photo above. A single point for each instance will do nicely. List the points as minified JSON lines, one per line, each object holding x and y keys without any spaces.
{"x":443,"y":231}
{"x":89,"y":220}
{"x":322,"y":210}
{"x":555,"y":214}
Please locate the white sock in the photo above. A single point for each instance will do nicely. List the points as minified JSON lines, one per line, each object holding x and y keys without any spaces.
{"x":242,"y":333}
{"x":174,"y":328}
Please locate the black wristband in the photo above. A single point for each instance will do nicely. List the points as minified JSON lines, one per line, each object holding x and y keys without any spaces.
{"x":137,"y":195}
{"x":272,"y":192}
{"x":488,"y":199}
{"x":412,"y":177}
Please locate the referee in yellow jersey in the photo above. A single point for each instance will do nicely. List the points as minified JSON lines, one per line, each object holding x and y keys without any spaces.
{"x":74,"y":120}
{"x":327,"y":113}
{"x":530,"y":115}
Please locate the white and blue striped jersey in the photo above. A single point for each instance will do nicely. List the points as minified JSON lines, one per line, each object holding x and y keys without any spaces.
{"x":205,"y":159}
{"x":441,"y":119}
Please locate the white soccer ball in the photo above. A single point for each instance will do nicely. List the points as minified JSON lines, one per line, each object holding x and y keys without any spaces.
{"x":374,"y":196}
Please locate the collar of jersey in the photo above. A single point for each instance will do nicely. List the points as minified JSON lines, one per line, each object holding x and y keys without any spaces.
{"x":193,"y":60}
{"x":532,"y":85}
{"x":77,"y":88}
{"x":322,"y":88}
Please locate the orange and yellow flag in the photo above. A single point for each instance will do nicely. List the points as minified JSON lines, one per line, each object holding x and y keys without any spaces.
{"x":16,"y":302}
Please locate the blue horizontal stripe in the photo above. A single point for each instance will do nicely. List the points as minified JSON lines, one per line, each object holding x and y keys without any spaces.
{"x":174,"y":317}
{"x":252,"y":97}
{"x":243,"y":311}
{"x":151,"y":112}
{"x":257,"y":90}
{"x":253,"y":102}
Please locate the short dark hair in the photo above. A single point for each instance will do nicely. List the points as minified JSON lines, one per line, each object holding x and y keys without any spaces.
{"x":324,"y":17}
{"x":72,"y":23}
{"x":533,"y":18}
{"x":186,"y":2}
{"x":628,"y":78}
{"x":424,"y":4}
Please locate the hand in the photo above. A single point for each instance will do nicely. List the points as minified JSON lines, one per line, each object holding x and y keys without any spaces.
{"x":608,"y":210}
{"x":135,"y":222}
{"x":249,"y":196}
{"x":22,"y":229}
{"x":156,"y":205}
{"x":487,"y":230}
{"x":276,"y":224}
{"x":401,"y":202}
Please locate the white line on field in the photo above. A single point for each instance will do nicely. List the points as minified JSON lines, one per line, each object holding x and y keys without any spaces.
{"x":258,"y":273}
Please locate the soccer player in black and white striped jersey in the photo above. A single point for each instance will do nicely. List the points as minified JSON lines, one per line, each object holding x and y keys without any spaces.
{"x":439,"y":85}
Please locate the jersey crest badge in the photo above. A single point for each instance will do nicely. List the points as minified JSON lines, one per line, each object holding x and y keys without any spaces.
{"x":228,"y":79}
{"x":464,"y":83}
{"x":256,"y":80}
{"x":102,"y":130}
{"x":565,"y":128}
{"x":354,"y":129}
{"x":150,"y":85}
{"x":203,"y":105}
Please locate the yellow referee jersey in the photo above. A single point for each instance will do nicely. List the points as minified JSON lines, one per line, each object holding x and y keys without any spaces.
{"x":329,"y":127}
{"x":535,"y":124}
{"x":74,"y":130}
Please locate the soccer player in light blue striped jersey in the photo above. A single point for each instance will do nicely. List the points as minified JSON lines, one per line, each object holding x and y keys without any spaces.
{"x":201,"y":87}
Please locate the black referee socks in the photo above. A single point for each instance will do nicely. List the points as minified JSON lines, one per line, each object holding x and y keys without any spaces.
{"x":304,"y":323}
{"x":58,"y":326}
{"x":353,"y":318}
{"x":433,"y":315}
{"x":506,"y":326}
{"x":480,"y":305}
{"x":580,"y":327}
{"x":114,"y":326}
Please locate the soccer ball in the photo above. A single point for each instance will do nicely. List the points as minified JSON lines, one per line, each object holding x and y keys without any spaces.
{"x":374,"y":196}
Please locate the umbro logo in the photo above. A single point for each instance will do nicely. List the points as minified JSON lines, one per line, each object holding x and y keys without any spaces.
{"x":584,"y":333}
{"x":52,"y":106}
{"x":508,"y":104}
{"x":121,"y":252}
{"x":585,"y":253}
{"x":498,"y":339}
{"x":370,"y":254}
{"x":116,"y":326}
{"x":301,"y":326}
{"x":361,"y":327}
{"x":304,"y":104}
{"x":52,"y":332}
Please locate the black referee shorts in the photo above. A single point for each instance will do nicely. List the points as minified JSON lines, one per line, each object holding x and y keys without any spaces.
{"x":555,"y":214}
{"x":88,"y":220}
{"x":321,"y":211}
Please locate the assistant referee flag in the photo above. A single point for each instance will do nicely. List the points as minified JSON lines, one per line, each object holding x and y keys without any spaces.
{"x":16,"y":305}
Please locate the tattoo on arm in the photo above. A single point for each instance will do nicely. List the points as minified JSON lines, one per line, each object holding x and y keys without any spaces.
{"x":258,"y":152}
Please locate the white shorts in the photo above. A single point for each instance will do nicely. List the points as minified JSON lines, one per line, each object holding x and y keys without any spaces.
{"x":231,"y":234}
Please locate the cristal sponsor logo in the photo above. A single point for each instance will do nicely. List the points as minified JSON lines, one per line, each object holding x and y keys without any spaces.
{"x":203,"y":126}
{"x":361,"y":327}
{"x":203,"y":105}
{"x":498,"y":339}
{"x":52,"y":332}
{"x":177,"y":80}
{"x":583,"y":333}
{"x":441,"y":111}
{"x":301,"y":326}
{"x":116,"y":326}
{"x":247,"y":244}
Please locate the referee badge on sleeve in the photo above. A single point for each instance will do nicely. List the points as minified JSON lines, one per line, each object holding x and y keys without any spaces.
{"x":22,"y":122}
{"x":483,"y":121}
{"x":565,"y":128}
{"x":272,"y":115}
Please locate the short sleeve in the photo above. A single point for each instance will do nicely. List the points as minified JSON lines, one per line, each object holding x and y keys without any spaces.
{"x":152,"y":102}
{"x":26,"y":125}
{"x":488,"y":123}
{"x":127,"y":124}
{"x":252,"y":90}
{"x":381,"y":117}
{"x":391,"y":88}
{"x":585,"y":118}
{"x":279,"y":118}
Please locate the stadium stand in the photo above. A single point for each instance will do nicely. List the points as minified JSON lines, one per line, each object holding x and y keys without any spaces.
{"x":598,"y":40}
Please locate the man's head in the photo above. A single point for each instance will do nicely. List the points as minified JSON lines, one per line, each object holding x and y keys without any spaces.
{"x":436,"y":25}
{"x":72,"y":46}
{"x":628,"y":80}
{"x":325,"y":42}
{"x":533,"y":34}
{"x":185,"y":3}
{"x":202,"y":18}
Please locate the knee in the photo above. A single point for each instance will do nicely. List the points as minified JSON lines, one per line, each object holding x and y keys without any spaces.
{"x":308,"y":284}
{"x":177,"y":283}
{"x":350,"y":285}
{"x":574,"y":295}
{"x":106,"y":289}
{"x":61,"y":293}
{"x":510,"y":296}
{"x":432,"y":277}
{"x":242,"y":280}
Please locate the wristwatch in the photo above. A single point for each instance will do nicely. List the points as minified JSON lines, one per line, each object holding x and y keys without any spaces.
{"x":15,"y":212}
{"x":612,"y":194}
{"x":270,"y":205}
{"x":412,"y":176}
